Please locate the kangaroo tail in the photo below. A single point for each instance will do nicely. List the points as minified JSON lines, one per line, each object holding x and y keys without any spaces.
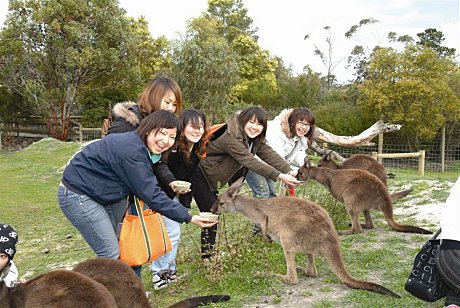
{"x":200,"y":301}
{"x":333,"y":255}
{"x":400,"y":194}
{"x":388,"y":213}
{"x":406,"y":228}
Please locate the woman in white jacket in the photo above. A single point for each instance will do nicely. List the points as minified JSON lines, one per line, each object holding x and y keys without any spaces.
{"x":288,"y":134}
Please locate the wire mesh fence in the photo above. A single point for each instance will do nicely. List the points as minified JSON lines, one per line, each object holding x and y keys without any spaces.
{"x":435,"y":161}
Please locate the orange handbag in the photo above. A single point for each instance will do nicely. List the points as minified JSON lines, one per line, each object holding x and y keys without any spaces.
{"x":144,"y":237}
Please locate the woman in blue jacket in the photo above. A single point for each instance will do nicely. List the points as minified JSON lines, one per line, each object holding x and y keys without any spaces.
{"x":98,"y":179}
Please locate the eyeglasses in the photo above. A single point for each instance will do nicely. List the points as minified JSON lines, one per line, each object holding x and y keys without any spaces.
{"x":301,"y":124}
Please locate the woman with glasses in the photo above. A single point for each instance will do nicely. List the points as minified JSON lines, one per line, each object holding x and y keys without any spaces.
{"x":288,"y":134}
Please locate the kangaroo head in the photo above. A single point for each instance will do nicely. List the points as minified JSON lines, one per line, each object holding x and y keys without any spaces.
{"x":303,"y":173}
{"x":327,"y":160}
{"x":224,"y":202}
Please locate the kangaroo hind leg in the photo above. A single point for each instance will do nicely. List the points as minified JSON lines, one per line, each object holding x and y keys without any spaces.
{"x":291,"y":274}
{"x":354,"y":216}
{"x":310,"y":270}
{"x":368,"y":224}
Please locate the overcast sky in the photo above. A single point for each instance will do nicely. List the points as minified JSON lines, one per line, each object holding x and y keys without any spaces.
{"x":282,"y":25}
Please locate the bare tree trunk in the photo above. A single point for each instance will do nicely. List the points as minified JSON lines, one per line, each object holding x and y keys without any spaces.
{"x":57,"y":124}
{"x":363,"y":139}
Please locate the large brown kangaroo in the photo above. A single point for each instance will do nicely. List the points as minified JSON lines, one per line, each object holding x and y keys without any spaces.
{"x":362,"y":162}
{"x":360,"y":191}
{"x":300,"y":226}
{"x":57,"y":289}
{"x":93,"y":283}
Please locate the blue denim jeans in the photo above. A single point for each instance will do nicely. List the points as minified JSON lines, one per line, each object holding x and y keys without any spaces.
{"x":262,"y":187}
{"x":167,"y":262}
{"x":96,"y":222}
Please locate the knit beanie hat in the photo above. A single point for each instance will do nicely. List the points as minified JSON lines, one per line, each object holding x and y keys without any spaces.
{"x":8,"y":240}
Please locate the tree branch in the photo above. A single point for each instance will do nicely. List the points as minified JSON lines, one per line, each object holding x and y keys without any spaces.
{"x":363,"y":139}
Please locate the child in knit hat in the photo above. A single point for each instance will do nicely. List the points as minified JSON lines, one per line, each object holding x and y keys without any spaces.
{"x":8,"y":240}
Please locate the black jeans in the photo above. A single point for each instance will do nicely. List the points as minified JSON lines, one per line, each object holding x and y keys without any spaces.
{"x":448,"y":263}
{"x":204,"y":198}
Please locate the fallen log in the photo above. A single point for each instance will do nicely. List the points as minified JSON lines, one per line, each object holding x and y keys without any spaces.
{"x":363,"y":139}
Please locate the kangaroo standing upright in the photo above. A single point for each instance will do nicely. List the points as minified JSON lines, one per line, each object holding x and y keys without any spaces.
{"x":300,"y":226}
{"x":360,"y":191}
{"x":362,"y":162}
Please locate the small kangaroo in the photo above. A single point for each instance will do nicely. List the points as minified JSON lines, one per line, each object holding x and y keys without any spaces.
{"x":362,"y":162}
{"x":93,"y":283}
{"x":300,"y":226}
{"x":360,"y":191}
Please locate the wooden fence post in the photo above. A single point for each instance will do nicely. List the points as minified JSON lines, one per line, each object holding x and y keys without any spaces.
{"x":443,"y":148}
{"x":421,"y":163}
{"x":375,"y":155}
{"x":80,"y":132}
{"x":380,"y":149}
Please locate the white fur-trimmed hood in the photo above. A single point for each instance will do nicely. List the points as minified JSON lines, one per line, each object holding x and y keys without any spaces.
{"x":128,"y":111}
{"x":283,"y":118}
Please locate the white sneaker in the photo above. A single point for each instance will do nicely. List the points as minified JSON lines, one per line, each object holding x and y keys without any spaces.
{"x":160,"y":281}
{"x":172,"y":275}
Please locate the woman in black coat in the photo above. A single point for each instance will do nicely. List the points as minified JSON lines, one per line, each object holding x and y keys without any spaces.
{"x":181,"y":164}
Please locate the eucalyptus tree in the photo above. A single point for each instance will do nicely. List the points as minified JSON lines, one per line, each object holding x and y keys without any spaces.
{"x":149,"y":56}
{"x":256,"y":66}
{"x":433,"y":39}
{"x":327,"y":57}
{"x":412,"y":88}
{"x":52,"y":49}
{"x":206,"y":68}
{"x":369,"y":38}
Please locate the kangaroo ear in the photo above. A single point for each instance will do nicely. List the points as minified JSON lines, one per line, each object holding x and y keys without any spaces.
{"x":329,"y":155}
{"x":235,"y":188}
{"x":307,"y":162}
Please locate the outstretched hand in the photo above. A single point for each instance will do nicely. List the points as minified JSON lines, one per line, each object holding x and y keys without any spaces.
{"x":202,"y":222}
{"x":181,"y":192}
{"x":288,"y":179}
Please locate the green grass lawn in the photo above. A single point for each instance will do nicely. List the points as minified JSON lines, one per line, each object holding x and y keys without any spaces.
{"x":28,"y":202}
